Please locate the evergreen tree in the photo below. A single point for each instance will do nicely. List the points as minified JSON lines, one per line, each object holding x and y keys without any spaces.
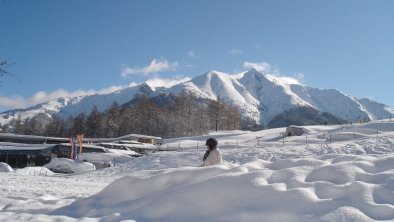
{"x":56,"y":127}
{"x":32,"y":127}
{"x":79,"y":124}
{"x":112,"y":118}
{"x":69,"y":123}
{"x":18,"y":125}
{"x":93,"y":123}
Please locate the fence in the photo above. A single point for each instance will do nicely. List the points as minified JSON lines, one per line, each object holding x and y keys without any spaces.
{"x":281,"y":141}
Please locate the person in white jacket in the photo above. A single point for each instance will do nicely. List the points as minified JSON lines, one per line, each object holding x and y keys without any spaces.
{"x":212,"y":156}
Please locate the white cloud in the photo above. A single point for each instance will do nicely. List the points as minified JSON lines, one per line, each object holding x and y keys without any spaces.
{"x":299,"y":76}
{"x":287,"y":80}
{"x":19,"y":102}
{"x":235,"y":51}
{"x":161,"y":82}
{"x":192,"y":54}
{"x":115,"y":88}
{"x":259,"y":66}
{"x":14,"y":102}
{"x":155,"y":66}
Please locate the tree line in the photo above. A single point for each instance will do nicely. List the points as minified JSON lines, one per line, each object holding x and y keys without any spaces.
{"x":165,"y":116}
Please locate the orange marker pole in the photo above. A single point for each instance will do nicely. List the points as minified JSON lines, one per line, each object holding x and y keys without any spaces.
{"x":80,"y":138}
{"x":72,"y":148}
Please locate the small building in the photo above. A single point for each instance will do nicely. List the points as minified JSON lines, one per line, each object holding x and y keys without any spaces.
{"x":294,"y":131}
{"x":26,"y":150}
{"x":19,"y":155}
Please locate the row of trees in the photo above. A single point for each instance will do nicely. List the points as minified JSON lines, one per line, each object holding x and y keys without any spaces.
{"x":183,"y":115}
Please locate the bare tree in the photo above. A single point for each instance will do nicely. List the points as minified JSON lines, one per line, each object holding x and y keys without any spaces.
{"x":4,"y":66}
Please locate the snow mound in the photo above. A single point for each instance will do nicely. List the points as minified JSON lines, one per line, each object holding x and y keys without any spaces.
{"x":302,"y":189}
{"x":110,"y":157}
{"x":5,"y":168}
{"x":103,"y":160}
{"x":63,"y":165}
{"x":34,"y":171}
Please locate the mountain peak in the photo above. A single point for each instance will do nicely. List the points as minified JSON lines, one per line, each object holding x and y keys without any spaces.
{"x":254,"y":70}
{"x":254,"y":75}
{"x":215,"y":73}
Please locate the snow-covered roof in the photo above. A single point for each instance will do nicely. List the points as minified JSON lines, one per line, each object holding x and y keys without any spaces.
{"x":123,"y":152}
{"x":20,"y":147}
{"x":105,"y":157}
{"x":85,"y":145}
{"x":134,"y":145}
{"x":125,"y":137}
{"x":44,"y":139}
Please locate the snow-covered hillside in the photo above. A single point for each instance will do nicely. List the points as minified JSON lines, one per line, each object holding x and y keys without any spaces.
{"x":214,"y":84}
{"x":259,"y":96}
{"x":274,"y":95}
{"x":104,"y":101}
{"x":65,"y":107}
{"x":331,"y":173}
{"x":45,"y":110}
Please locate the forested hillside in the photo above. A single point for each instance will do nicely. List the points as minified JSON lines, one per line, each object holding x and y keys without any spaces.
{"x":164,"y":115}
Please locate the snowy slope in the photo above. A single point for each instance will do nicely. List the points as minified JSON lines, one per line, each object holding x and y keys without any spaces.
{"x":104,"y":101}
{"x":259,"y":96}
{"x":274,"y":95}
{"x":65,"y":107}
{"x":214,"y":84}
{"x":43,"y":109}
{"x":378,"y":110}
{"x":336,"y":102}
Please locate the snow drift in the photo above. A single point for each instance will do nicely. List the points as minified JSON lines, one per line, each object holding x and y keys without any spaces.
{"x":108,"y":157}
{"x":5,"y":168}
{"x":35,"y":171}
{"x":265,"y":177}
{"x":63,"y":165}
{"x":351,"y":189}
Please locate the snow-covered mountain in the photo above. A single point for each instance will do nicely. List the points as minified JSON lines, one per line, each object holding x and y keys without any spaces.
{"x":103,"y":101}
{"x":259,"y":96}
{"x":45,"y":110}
{"x":214,"y":85}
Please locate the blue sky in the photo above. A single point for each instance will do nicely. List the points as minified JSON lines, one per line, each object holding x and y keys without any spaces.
{"x":76,"y":47}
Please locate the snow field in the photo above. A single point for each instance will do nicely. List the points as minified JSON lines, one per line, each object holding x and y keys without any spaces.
{"x":262,"y":179}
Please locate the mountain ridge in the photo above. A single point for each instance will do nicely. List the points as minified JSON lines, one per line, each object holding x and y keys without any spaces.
{"x":259,"y":96}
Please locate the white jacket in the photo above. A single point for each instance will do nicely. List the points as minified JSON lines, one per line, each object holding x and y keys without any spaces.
{"x":214,"y":157}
